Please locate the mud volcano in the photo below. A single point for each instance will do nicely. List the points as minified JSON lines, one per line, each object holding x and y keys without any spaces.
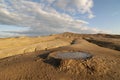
{"x":73,"y":55}
{"x":58,"y":58}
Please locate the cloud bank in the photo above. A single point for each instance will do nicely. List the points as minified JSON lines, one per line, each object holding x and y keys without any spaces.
{"x":46,"y":16}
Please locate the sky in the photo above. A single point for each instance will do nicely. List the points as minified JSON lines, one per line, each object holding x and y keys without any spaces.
{"x":44,"y":17}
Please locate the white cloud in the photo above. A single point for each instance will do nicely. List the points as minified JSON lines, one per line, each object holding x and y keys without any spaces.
{"x":72,"y":6}
{"x":44,"y":17}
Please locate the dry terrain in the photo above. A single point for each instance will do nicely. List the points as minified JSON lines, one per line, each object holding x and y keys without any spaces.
{"x":36,"y":58}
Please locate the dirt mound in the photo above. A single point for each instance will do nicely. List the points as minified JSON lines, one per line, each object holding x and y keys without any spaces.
{"x":101,"y":67}
{"x":95,"y":66}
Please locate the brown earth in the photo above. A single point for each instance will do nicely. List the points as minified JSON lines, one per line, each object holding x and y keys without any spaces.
{"x":33,"y":58}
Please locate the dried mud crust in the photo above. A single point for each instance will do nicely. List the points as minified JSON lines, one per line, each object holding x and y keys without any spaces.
{"x":100,"y":67}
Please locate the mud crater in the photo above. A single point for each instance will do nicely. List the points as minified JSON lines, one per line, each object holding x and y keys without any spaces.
{"x":55,"y":59}
{"x":73,"y":55}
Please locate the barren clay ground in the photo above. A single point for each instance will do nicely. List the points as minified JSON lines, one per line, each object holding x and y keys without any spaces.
{"x":35,"y":58}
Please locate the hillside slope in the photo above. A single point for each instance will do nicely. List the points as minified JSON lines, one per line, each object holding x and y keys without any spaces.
{"x":37,"y":58}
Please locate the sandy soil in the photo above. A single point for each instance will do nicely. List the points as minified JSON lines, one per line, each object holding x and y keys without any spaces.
{"x":28,"y":58}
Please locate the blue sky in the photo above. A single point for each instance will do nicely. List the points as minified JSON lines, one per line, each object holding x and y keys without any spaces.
{"x":11,"y":28}
{"x":107,"y":15}
{"x":38,"y":17}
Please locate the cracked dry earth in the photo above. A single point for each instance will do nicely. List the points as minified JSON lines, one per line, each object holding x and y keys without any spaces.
{"x":35,"y":58}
